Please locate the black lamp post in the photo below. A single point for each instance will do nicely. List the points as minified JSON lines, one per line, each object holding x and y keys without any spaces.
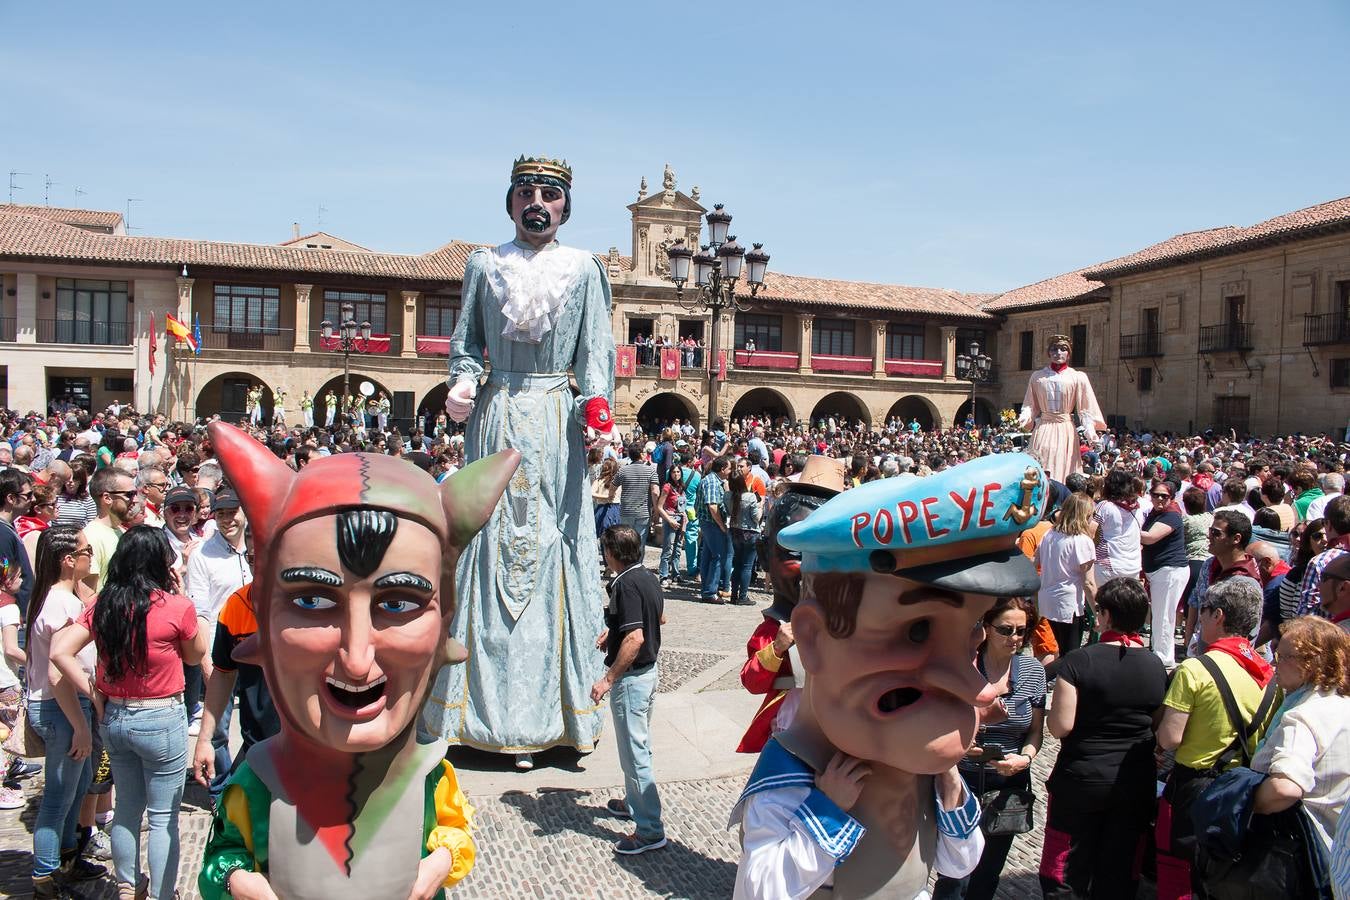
{"x":351,"y":338}
{"x":717,"y":267}
{"x":974,"y":368}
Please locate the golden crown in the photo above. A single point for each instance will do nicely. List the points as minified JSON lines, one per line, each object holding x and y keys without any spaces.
{"x":538,"y":165}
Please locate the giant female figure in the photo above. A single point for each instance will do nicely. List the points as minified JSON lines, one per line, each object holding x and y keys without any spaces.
{"x":530,"y":598}
{"x":1054,"y":394}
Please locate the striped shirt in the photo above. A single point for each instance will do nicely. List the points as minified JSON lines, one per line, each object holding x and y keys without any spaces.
{"x":76,"y":512}
{"x":1310,"y":591}
{"x":1026,"y":693}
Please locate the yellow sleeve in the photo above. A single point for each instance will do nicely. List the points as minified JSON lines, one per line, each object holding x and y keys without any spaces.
{"x":1181,"y":692}
{"x":454,"y":820}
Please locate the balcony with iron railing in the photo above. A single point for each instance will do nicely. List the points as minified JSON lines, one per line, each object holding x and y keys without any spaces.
{"x":83,"y":332}
{"x":8,"y":329}
{"x":1326,"y":328}
{"x":230,"y":338}
{"x":914,"y":368}
{"x":767,"y":359}
{"x":377,"y":343}
{"x":1230,"y":337}
{"x":1143,"y":344}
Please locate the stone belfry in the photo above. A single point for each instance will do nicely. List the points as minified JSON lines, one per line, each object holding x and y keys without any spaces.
{"x":660,"y":219}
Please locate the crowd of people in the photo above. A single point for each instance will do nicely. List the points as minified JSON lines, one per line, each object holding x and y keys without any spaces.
{"x":1173,"y":571}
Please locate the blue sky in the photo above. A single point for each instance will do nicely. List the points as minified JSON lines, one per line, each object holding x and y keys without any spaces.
{"x":977,"y":146}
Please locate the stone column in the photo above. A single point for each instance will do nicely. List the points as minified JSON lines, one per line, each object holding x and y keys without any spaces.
{"x":804,"y":322}
{"x":25,"y":322}
{"x":879,"y":350}
{"x":302,"y":292}
{"x":410,"y":324}
{"x":949,"y":353}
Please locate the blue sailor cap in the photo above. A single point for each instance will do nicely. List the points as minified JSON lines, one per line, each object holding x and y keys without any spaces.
{"x":956,"y":529}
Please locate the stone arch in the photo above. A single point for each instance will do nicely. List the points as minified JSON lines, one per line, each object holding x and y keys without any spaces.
{"x":664,"y":407}
{"x":763,"y":400}
{"x":433,"y":403}
{"x":224,"y":396}
{"x":985,"y":414}
{"x":915,"y":406}
{"x":841,"y":403}
{"x":335,"y":383}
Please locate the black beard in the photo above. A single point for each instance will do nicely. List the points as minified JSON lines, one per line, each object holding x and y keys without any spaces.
{"x":536,"y":219}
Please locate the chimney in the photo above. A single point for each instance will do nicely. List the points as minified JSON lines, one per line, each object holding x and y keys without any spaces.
{"x":295,"y":231}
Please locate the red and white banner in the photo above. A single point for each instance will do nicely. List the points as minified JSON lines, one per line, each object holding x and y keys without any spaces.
{"x":378,"y":343}
{"x":670,"y":364}
{"x":625,"y":361}
{"x":721,"y":365}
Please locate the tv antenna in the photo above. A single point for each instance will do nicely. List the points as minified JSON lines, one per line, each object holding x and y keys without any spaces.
{"x":13,"y":185}
{"x":47,"y":189}
{"x":322,"y":209}
{"x":79,"y":192}
{"x":126,"y":220}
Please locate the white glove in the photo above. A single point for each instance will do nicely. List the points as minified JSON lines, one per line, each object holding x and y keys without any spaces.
{"x":459,"y":400}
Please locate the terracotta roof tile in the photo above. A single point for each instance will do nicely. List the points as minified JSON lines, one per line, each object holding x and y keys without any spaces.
{"x":798,"y":290}
{"x":1069,"y":286}
{"x":1228,"y":239}
{"x":89,"y":217}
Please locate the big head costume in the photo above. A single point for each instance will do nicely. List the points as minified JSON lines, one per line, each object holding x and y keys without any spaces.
{"x":1054,"y":394}
{"x":353,"y":591}
{"x":896,"y":575}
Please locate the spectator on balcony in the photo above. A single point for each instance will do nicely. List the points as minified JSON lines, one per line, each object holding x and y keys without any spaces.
{"x":750,"y":345}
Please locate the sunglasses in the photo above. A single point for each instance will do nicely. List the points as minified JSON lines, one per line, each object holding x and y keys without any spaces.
{"x":1161,"y":495}
{"x":126,"y":495}
{"x":1010,"y":630}
{"x":87,"y":551}
{"x":1217,"y":532}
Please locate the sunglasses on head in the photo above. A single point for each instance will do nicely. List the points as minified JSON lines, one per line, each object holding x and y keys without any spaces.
{"x":1010,"y":630}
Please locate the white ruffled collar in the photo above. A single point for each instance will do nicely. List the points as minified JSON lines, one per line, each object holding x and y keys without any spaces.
{"x":534,"y":285}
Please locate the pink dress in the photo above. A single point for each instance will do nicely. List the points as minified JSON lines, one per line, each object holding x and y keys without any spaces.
{"x":1052,"y":399}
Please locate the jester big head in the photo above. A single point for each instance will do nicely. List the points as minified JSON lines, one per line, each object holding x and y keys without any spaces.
{"x":354,"y":581}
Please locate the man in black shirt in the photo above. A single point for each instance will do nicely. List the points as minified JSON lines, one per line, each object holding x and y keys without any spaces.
{"x":631,"y":641}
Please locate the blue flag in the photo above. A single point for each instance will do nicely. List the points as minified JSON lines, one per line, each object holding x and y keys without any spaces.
{"x":197,"y":333}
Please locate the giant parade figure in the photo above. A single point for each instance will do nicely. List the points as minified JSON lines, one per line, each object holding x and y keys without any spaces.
{"x":1054,"y":394}
{"x":860,"y":796}
{"x":531,"y":604}
{"x":353,"y":592}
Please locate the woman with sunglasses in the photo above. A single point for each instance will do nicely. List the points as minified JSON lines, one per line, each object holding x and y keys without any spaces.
{"x":1102,"y":786}
{"x":1307,"y":540}
{"x":40,"y":517}
{"x":1163,"y":540}
{"x":58,"y":712}
{"x":1009,"y":737}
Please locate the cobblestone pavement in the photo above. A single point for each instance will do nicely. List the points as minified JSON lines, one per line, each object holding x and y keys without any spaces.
{"x":556,"y":842}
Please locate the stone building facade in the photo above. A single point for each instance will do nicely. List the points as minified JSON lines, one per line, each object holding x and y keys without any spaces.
{"x":1245,"y":327}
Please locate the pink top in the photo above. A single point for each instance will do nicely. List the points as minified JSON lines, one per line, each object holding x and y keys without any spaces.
{"x":59,"y":610}
{"x":171,"y":620}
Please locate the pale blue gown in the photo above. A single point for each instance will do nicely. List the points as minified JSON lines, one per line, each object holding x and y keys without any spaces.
{"x":530,"y":603}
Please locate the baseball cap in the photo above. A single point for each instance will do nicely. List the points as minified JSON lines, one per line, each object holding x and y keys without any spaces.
{"x":225,"y":499}
{"x":181,"y":494}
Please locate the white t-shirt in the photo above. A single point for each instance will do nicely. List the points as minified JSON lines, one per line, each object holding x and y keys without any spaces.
{"x":1118,"y":551}
{"x":1061,"y":558}
{"x":9,"y":615}
{"x":61,"y":608}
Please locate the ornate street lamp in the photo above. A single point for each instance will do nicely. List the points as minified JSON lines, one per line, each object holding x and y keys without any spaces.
{"x":717,"y":266}
{"x":974,"y":368}
{"x":350,"y":338}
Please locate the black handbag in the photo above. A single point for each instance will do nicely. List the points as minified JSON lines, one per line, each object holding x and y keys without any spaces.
{"x":1007,"y":810}
{"x":1281,"y":856}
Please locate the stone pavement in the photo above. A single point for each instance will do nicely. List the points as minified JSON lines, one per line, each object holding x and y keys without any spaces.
{"x":545,"y":834}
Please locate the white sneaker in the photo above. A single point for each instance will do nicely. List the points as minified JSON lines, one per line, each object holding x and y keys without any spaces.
{"x":195,"y":727}
{"x":524,"y":761}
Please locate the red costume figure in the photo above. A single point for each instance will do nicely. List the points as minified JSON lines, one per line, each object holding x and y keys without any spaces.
{"x":769,"y":668}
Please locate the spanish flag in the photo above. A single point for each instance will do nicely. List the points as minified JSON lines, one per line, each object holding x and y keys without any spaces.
{"x":180,"y":331}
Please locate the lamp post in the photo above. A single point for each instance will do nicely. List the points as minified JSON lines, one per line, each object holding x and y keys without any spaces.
{"x":717,"y":267}
{"x":348,"y":335}
{"x":975,"y":368}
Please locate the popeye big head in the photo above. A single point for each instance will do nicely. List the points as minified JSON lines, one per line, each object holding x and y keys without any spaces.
{"x":539,"y":199}
{"x":897,"y":574}
{"x":354,"y":585}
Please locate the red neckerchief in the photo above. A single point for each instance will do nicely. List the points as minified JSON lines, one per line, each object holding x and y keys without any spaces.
{"x":1059,"y":367}
{"x":1127,"y":638}
{"x":1241,"y":650}
{"x":1336,"y":619}
{"x":1129,"y":505}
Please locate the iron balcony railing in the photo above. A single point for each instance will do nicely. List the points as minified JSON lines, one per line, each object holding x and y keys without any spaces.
{"x":1326,"y":328}
{"x":224,"y":337}
{"x":1146,"y":343}
{"x":8,"y":329}
{"x":83,"y":331}
{"x":1226,"y":338}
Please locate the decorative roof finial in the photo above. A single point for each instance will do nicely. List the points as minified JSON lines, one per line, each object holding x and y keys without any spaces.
{"x":642,"y":188}
{"x":668,"y":179}
{"x":693,"y":195}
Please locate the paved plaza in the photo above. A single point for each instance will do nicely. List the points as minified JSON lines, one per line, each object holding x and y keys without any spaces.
{"x":545,"y":834}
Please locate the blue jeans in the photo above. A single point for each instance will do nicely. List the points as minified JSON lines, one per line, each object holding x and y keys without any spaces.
{"x":691,"y":566}
{"x":220,"y":742}
{"x":671,"y":539}
{"x":148,"y":749}
{"x":630,"y":700}
{"x":745,"y":552}
{"x":67,"y":781}
{"x":640,"y":523}
{"x":714,"y":561}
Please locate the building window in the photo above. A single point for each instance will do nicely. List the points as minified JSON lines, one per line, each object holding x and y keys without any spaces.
{"x":1145,"y":379}
{"x":1078,"y":338}
{"x":766,"y":331}
{"x":966,"y":336}
{"x":1233,"y":412}
{"x":120,"y":385}
{"x":1340,"y":373}
{"x":369,"y":307}
{"x":91,"y":312}
{"x":438,"y":316}
{"x":247,"y":308}
{"x":1026,"y":349}
{"x":904,"y":341}
{"x":832,"y":337}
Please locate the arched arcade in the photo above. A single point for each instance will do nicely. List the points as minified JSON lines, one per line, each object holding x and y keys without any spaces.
{"x":914,"y":407}
{"x":765,"y":402}
{"x":224,"y":396}
{"x":663,"y":409}
{"x":841,"y":406}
